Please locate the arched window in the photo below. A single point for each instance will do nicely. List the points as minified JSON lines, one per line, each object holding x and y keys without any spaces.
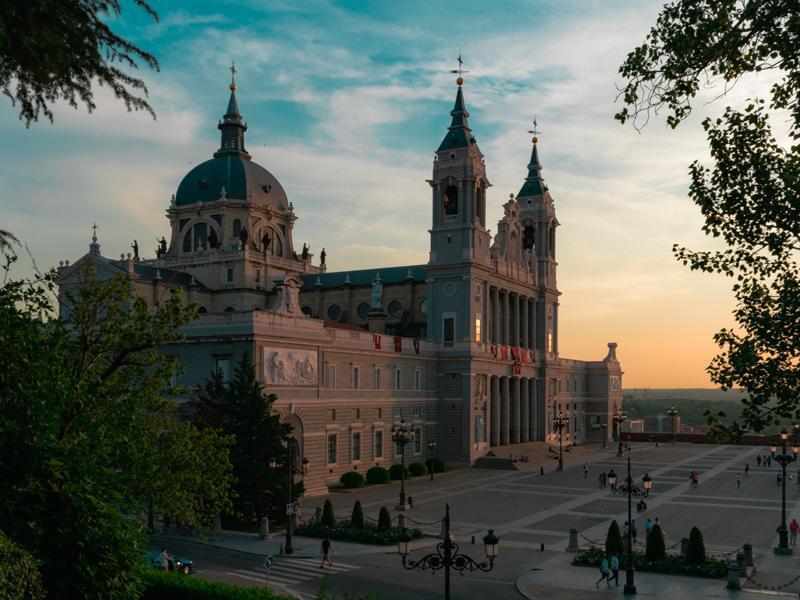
{"x":202,"y":310}
{"x":451,"y":200}
{"x":229,"y":309}
{"x":277,"y":247}
{"x":237,"y":228}
{"x":200,"y":236}
{"x":187,"y":241}
{"x":363,"y":311}
{"x":529,"y":237}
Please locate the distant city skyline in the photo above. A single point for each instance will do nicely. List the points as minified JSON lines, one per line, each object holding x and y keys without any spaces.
{"x":346,"y":103}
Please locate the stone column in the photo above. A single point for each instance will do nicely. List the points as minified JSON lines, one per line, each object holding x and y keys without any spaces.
{"x":494,"y":408}
{"x":523,"y":324}
{"x":505,"y":411}
{"x":532,"y":324}
{"x":506,"y":318}
{"x":496,"y":316}
{"x":524,"y":418}
{"x":515,"y":410}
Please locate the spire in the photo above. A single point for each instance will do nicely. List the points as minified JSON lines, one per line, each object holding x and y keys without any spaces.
{"x":459,"y":134}
{"x":94,"y":247}
{"x":534,"y":183}
{"x":232,"y":126}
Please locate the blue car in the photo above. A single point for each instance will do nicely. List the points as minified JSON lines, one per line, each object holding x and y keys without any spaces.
{"x":177,"y":565}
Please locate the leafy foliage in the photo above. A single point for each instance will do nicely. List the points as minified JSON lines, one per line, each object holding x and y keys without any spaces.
{"x":352,"y":479}
{"x":438,"y":465}
{"x":696,"y":552}
{"x":19,"y":574}
{"x":377,"y":475}
{"x":344,"y":531}
{"x":160,"y":585}
{"x":52,"y":51}
{"x":357,"y":517}
{"x":614,"y":543}
{"x":749,"y":198}
{"x":417,"y":468}
{"x":671,"y":564}
{"x":397,"y":472}
{"x":88,"y":434}
{"x":656,"y":548}
{"x":384,"y":519}
{"x":242,"y":410}
{"x":328,"y":517}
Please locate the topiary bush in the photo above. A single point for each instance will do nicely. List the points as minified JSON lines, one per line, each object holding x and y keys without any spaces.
{"x":352,"y":479}
{"x":614,"y":539}
{"x":656,"y":548}
{"x":377,"y":475}
{"x":696,"y":552}
{"x":370,"y":534}
{"x":384,"y":519}
{"x":328,"y":518}
{"x":438,"y":465}
{"x":417,"y":469}
{"x":396,"y":470}
{"x":671,"y":564}
{"x":357,"y":518}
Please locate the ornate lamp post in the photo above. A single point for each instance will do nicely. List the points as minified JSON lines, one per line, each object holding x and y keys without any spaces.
{"x":631,"y":490}
{"x":783,"y":459}
{"x":402,"y":436}
{"x":559,"y":423}
{"x":291,"y":471}
{"x":618,"y":418}
{"x":672,"y":411}
{"x":432,"y":450}
{"x":447,"y":556}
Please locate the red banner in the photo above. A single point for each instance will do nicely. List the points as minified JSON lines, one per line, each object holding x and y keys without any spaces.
{"x":517,"y":368}
{"x":398,"y":343}
{"x":416,"y":345}
{"x":515,"y":354}
{"x":377,"y":338}
{"x":504,"y":352}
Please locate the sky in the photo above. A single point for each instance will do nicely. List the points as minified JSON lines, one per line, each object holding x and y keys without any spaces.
{"x":346,"y":103}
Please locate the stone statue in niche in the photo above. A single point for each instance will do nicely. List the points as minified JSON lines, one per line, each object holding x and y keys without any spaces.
{"x":376,"y":297}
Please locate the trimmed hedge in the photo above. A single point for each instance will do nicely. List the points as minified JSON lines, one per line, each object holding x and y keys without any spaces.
{"x":396,"y":470}
{"x":377,"y":475}
{"x":328,"y":517}
{"x":352,"y":479}
{"x":671,"y":564}
{"x":384,"y":519}
{"x":344,"y":532}
{"x":357,"y":516}
{"x":614,"y":539}
{"x":160,"y":585}
{"x":656,"y":547}
{"x":696,"y":552}
{"x":438,"y":465}
{"x":417,"y":469}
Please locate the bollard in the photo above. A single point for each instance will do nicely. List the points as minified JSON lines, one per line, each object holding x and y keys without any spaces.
{"x":573,"y":541}
{"x":748,"y":553}
{"x":473,"y":539}
{"x":733,"y":576}
{"x":684,"y":546}
{"x":541,"y":470}
{"x":264,"y":530}
{"x":541,"y":547}
{"x":741,"y":560}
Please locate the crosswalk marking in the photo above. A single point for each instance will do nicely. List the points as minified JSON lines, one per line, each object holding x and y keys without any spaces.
{"x":290,"y":571}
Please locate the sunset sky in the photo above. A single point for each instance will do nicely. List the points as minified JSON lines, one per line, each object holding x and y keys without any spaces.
{"x":346,"y":103}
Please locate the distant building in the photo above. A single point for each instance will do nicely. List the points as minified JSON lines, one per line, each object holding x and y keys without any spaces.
{"x":661,"y":424}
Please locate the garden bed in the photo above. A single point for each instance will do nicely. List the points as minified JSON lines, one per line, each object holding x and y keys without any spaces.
{"x":344,"y":532}
{"x":671,"y":564}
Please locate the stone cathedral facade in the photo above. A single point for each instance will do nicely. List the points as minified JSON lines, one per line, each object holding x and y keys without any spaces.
{"x":464,"y":348}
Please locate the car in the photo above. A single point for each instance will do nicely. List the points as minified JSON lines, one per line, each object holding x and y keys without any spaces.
{"x":178,"y":565}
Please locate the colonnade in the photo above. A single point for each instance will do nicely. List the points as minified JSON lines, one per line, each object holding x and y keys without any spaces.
{"x":515,"y":417}
{"x":512,"y":318}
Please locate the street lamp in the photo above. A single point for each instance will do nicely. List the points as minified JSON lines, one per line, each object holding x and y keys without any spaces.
{"x":559,"y":423}
{"x":447,"y":556}
{"x":631,"y":490}
{"x":432,"y":450}
{"x":402,"y":436}
{"x":672,"y":411}
{"x":784,"y":459}
{"x":619,"y":418}
{"x":291,"y":471}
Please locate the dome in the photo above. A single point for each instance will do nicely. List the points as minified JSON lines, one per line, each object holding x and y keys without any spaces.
{"x":241,"y":178}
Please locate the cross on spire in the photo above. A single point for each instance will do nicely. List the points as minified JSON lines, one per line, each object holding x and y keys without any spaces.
{"x":535,"y":131}
{"x":94,"y":232}
{"x":460,"y":70}
{"x":233,"y":71}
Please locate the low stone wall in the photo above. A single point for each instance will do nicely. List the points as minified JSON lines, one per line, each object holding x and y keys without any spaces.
{"x":695,"y":438}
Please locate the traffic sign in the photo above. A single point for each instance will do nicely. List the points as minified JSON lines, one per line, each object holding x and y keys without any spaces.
{"x":269,"y":560}
{"x":290,"y":508}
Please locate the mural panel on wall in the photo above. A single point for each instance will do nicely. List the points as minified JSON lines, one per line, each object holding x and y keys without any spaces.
{"x":284,"y":366}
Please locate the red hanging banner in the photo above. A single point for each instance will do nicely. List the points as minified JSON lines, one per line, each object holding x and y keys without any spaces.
{"x":504,"y":352}
{"x":515,"y":354}
{"x":398,"y":343}
{"x":517,"y":368}
{"x":377,"y":339}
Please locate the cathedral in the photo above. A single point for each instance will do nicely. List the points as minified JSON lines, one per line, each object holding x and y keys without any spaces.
{"x":464,"y":348}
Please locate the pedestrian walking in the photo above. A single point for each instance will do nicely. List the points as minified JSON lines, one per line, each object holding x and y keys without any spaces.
{"x":614,"y":570}
{"x":746,"y":469}
{"x":648,"y":525}
{"x":738,"y":481}
{"x":585,"y":470}
{"x":758,"y":460}
{"x":326,"y":552}
{"x":603,"y":571}
{"x":794,"y":529}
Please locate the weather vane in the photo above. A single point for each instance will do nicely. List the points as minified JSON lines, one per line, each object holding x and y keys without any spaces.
{"x":233,"y":71}
{"x":94,"y":232}
{"x":460,"y":70}
{"x":535,"y":131}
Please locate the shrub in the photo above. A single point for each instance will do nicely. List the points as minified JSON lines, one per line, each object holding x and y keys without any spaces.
{"x":417,"y":469}
{"x":614,"y":539}
{"x":671,"y":564}
{"x":438,"y":465}
{"x":384,"y":519}
{"x":377,"y":475}
{"x":396,"y":470}
{"x":696,"y":552}
{"x":357,"y":518}
{"x":19,"y":573}
{"x":328,"y":518}
{"x":656,"y":548}
{"x":159,"y":585}
{"x":370,"y":534}
{"x":352,"y":479}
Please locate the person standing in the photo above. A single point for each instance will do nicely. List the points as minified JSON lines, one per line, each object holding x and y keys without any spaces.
{"x":758,"y":460}
{"x":794,"y":529}
{"x":603,"y":571}
{"x":746,"y":469}
{"x":614,"y":570}
{"x":165,"y":560}
{"x":326,"y":551}
{"x":648,"y":525}
{"x":585,"y":470}
{"x":738,"y":481}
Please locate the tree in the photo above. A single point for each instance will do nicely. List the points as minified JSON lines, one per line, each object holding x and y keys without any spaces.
{"x":52,"y":51}
{"x":614,"y":543}
{"x":6,"y":239}
{"x":749,"y":198}
{"x":88,"y":435}
{"x":656,"y":548}
{"x":384,"y":519}
{"x":357,"y":518}
{"x":696,"y":552}
{"x":328,"y":518}
{"x":241,"y":409}
{"x":19,"y":573}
